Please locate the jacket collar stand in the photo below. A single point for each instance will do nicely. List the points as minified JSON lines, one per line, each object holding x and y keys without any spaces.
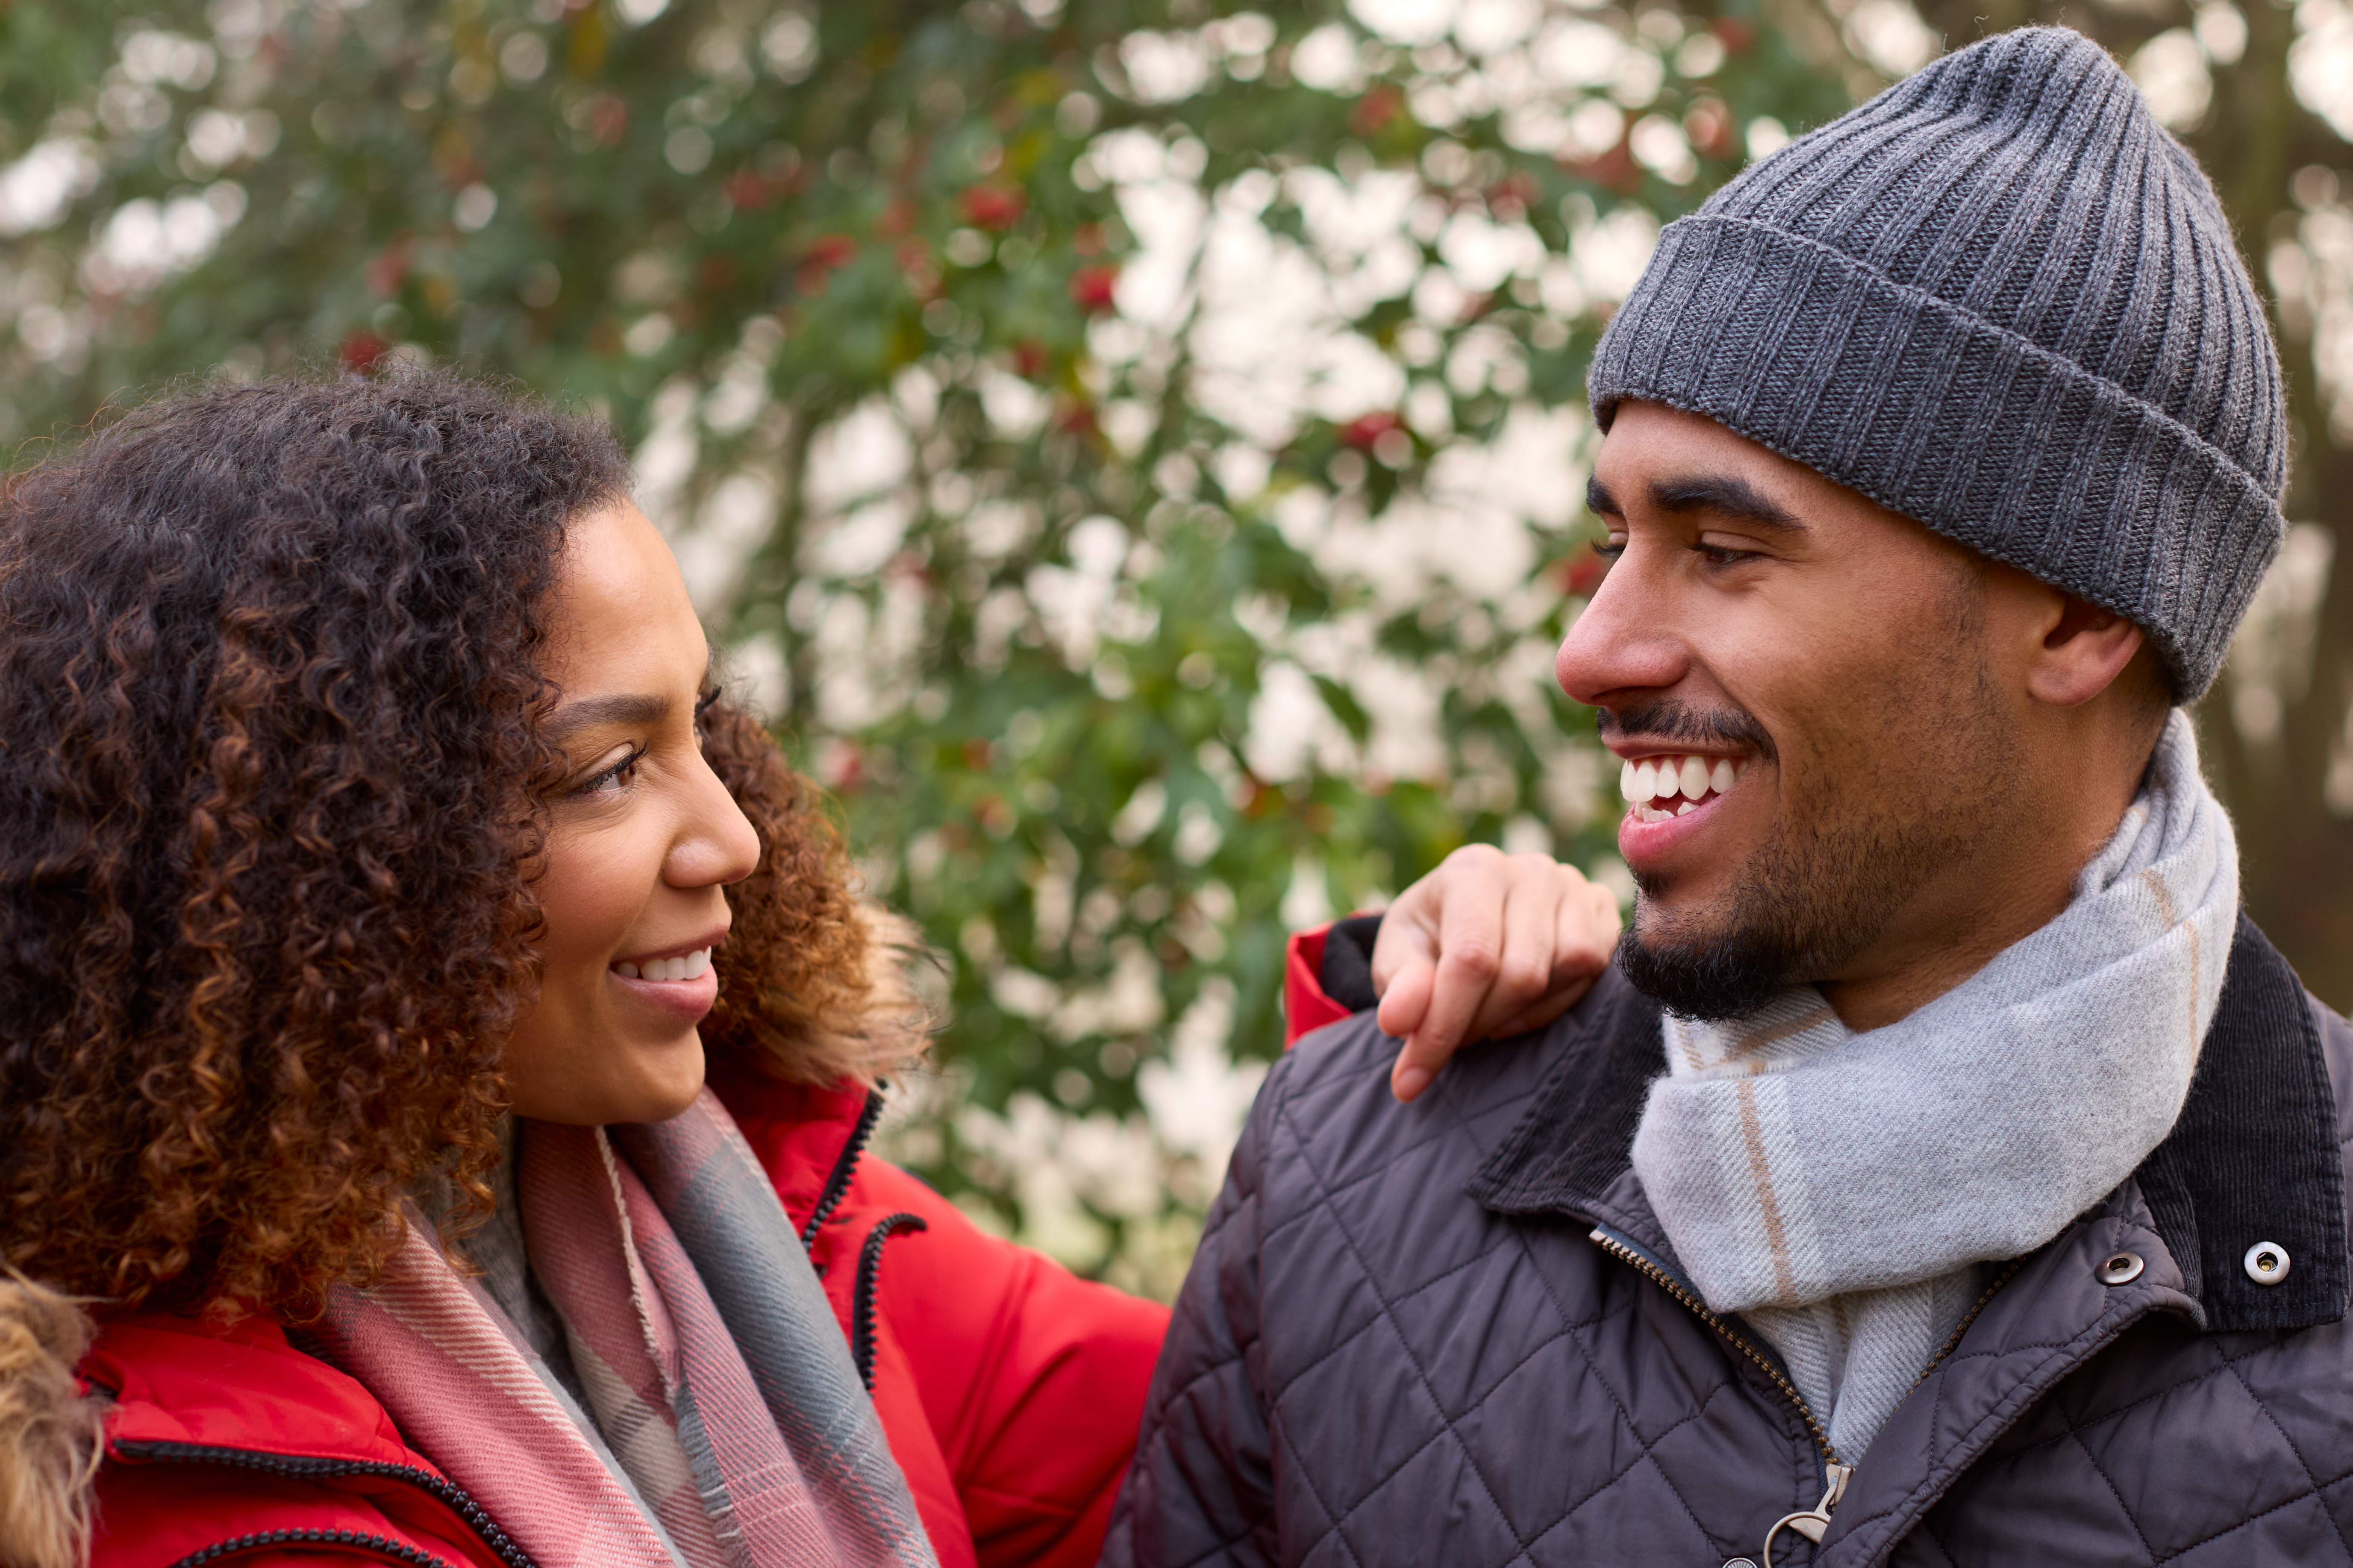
{"x":2253,"y":1158}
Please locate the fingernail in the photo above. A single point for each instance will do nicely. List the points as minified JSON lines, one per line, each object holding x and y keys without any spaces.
{"x":1408,"y":1082}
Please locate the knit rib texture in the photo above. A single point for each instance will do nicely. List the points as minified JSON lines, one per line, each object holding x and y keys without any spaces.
{"x":2000,"y":300}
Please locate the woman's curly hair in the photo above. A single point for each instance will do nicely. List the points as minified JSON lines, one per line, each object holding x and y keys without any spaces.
{"x":270,"y":776}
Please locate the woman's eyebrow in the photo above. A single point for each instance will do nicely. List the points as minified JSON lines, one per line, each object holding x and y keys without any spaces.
{"x":1727,"y":494}
{"x":590,"y":711}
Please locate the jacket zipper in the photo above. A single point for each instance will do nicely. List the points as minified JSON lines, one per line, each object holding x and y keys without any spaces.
{"x":310,"y":1467}
{"x":384,"y":1545}
{"x":1814,"y":1522}
{"x":861,"y":1295}
{"x":837,"y":1181}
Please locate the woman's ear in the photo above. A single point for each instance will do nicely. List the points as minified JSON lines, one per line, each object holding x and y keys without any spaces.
{"x":2082,"y":654}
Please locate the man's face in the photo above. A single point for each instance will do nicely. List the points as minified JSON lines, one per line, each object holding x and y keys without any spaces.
{"x":1767,"y":630}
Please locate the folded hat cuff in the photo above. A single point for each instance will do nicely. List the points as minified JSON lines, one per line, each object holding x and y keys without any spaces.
{"x":1938,"y":413}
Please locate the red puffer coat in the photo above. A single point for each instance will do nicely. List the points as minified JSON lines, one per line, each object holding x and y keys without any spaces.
{"x":1009,"y":1390}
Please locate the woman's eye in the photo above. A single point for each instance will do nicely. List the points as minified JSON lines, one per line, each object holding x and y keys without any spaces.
{"x":616,"y":777}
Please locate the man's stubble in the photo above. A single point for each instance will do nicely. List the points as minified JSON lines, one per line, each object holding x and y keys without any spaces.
{"x":1847,"y":851}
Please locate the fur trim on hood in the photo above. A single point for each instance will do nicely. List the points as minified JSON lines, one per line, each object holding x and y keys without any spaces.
{"x":51,"y":1435}
{"x":888,"y":1033}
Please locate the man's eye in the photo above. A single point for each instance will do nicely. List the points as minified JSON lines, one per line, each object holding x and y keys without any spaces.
{"x":1610,"y":548}
{"x":1721,"y":555}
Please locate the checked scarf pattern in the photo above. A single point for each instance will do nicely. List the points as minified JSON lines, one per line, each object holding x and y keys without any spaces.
{"x":730,"y":1431}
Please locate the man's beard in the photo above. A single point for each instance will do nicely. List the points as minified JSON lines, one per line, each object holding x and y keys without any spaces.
{"x":1827,"y":881}
{"x":1806,"y":904}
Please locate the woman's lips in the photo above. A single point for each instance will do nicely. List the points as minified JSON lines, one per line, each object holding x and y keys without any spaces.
{"x":687,"y":987}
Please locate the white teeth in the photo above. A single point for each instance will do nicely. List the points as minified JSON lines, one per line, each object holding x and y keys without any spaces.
{"x":1661,"y":779}
{"x":689,"y":967}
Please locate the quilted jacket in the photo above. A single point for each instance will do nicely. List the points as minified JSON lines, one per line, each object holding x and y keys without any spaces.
{"x":1007,"y":1389}
{"x":1452,"y":1333}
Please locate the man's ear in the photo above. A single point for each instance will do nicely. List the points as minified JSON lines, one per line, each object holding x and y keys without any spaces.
{"x":2082,"y":654}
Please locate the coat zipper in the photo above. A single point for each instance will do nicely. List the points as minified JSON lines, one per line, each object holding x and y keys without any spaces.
{"x":384,"y":1545}
{"x":1814,"y":1522}
{"x":837,"y":1181}
{"x":862,"y":1296}
{"x":310,"y":1467}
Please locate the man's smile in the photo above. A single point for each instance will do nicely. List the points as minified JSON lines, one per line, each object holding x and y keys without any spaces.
{"x":1678,"y":783}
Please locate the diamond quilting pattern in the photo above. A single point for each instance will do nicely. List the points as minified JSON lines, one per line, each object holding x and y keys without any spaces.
{"x":1371,"y":1371}
{"x":1485,"y":1353}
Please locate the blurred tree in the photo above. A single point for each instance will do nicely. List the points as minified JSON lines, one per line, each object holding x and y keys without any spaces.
{"x":1133,"y":448}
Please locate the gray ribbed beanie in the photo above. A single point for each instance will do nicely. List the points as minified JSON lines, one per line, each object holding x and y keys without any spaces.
{"x":2000,"y":300}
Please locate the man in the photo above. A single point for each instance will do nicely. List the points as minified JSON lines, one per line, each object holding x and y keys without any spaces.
{"x":1948,"y":1175}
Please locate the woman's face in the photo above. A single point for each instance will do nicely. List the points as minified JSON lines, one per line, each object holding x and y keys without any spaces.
{"x":642,"y":836}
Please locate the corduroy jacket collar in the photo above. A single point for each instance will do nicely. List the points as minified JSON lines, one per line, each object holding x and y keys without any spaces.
{"x":2254,"y":1157}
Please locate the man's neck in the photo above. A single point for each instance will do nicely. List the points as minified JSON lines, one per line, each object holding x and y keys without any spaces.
{"x":2022,"y":879}
{"x":1877,"y":999}
{"x":1968,"y":917}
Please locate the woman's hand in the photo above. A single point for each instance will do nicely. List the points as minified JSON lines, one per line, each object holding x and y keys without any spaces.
{"x":1486,"y":946}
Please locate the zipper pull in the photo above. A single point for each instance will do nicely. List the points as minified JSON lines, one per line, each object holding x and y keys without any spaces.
{"x":1816,"y":1520}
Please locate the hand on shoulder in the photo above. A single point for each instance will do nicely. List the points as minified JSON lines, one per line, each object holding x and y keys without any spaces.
{"x":1486,"y":946}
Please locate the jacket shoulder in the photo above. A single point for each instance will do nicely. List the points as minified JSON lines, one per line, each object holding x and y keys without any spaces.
{"x":1327,"y":1112}
{"x":218,"y":1435}
{"x":155,"y":1513}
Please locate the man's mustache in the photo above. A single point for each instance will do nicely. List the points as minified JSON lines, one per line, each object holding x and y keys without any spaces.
{"x":1668,"y":722}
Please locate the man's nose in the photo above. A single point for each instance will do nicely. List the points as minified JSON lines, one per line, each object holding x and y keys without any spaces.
{"x":1624,"y":640}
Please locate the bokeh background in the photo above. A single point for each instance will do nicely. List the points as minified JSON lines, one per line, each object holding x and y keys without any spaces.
{"x":1133,"y":451}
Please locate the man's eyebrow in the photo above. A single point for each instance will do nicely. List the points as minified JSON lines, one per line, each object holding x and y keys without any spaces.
{"x":1598,"y":497}
{"x":1727,"y":494}
{"x":590,"y":711}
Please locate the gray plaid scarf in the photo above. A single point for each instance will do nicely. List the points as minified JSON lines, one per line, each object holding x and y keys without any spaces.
{"x":1841,"y":1191}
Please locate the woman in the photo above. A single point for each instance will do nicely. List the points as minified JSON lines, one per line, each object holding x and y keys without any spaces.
{"x":380,"y":870}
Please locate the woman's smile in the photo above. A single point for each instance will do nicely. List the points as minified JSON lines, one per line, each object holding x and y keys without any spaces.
{"x":640,"y":846}
{"x":675,"y":982}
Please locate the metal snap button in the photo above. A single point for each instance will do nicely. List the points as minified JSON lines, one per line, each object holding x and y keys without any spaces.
{"x":2123,"y":1268}
{"x":2267,"y":1263}
{"x":1738,"y":1562}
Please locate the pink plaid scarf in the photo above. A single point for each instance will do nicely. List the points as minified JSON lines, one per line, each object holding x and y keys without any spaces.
{"x":736,"y":1434}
